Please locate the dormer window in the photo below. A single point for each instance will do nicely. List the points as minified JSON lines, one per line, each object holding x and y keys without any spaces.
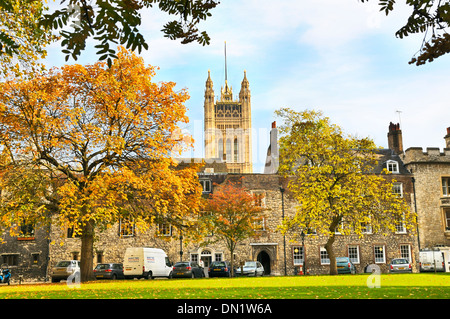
{"x":206,"y":185}
{"x":392,"y":166}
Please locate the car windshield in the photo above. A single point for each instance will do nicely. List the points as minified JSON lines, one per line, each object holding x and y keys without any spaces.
{"x":65,"y":263}
{"x":181,"y":264}
{"x":250,"y":264}
{"x":218,"y":264}
{"x":102,"y":266}
{"x":341,"y":260}
{"x":399,"y":261}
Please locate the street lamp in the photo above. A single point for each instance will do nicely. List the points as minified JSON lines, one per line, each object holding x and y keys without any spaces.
{"x":284,"y":236}
{"x":413,"y":180}
{"x":304,"y":255}
{"x":181,"y":247}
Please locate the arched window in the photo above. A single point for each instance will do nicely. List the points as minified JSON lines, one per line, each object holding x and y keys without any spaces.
{"x":228,"y":151}
{"x":236,"y":150}
{"x":220,"y":149}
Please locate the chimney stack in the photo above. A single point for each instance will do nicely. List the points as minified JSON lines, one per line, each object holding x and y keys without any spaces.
{"x":395,"y":140}
{"x":447,"y":138}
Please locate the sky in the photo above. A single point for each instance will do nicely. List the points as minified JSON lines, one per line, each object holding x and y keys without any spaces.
{"x":337,"y":56}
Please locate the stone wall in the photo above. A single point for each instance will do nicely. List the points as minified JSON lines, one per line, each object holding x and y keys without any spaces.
{"x":428,"y":168}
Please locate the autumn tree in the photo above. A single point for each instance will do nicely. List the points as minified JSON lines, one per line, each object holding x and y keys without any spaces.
{"x":428,"y":17}
{"x":232,"y":214}
{"x":331,"y":177}
{"x":110,"y":22}
{"x":22,"y":38}
{"x":86,"y":146}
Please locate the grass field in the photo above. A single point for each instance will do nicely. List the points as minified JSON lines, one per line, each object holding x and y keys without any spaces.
{"x":398,"y":286}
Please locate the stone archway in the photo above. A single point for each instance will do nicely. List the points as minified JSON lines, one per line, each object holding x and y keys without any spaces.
{"x":264,"y":259}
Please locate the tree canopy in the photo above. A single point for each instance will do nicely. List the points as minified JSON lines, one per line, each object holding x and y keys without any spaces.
{"x":428,"y":17}
{"x":22,"y":38}
{"x":331,"y":177}
{"x":108,"y":23}
{"x":86,"y":146}
{"x":232,"y":214}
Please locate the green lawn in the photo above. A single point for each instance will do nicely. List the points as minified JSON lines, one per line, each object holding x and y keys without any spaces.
{"x":398,"y":286}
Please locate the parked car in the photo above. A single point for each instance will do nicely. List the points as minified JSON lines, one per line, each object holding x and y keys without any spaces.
{"x":109,"y":271}
{"x":250,"y":268}
{"x":345,"y":266}
{"x":64,"y":269}
{"x":219,"y":269}
{"x":187,"y":269}
{"x":400,"y":265}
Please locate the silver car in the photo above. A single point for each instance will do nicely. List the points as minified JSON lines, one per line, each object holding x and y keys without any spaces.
{"x":400,"y":265}
{"x":64,"y":269}
{"x":251,"y":268}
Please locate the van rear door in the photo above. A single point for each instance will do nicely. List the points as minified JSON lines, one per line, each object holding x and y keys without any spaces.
{"x":133,"y":263}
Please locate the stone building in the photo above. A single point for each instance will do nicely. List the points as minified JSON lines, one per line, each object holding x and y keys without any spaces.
{"x":26,"y":254}
{"x":431,"y":171}
{"x":228,"y":126}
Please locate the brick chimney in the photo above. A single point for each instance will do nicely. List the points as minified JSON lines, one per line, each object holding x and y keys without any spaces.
{"x":447,"y":138}
{"x":395,"y":140}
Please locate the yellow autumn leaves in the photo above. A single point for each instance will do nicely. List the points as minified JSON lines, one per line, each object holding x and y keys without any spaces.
{"x":102,"y":139}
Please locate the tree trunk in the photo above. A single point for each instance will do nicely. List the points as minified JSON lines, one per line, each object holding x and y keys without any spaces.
{"x":331,"y":255}
{"x":232,"y":262}
{"x":87,"y":253}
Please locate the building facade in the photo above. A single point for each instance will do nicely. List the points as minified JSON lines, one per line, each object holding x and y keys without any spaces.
{"x":431,"y":171}
{"x":228,"y":126}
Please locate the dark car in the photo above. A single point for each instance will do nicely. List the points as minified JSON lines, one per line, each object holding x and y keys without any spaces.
{"x":400,"y":265}
{"x":187,"y":269}
{"x":109,"y":271}
{"x":345,"y":266}
{"x":219,"y":269}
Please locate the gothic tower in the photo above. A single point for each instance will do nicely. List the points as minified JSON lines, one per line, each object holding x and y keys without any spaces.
{"x":228,"y":126}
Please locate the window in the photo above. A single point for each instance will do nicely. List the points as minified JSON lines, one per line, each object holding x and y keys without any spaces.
{"x":194,"y":258}
{"x":298,"y":255}
{"x":392,"y":166}
{"x":400,"y":225}
{"x":446,"y":186}
{"x":353,"y":253}
{"x":228,"y":151}
{"x":397,"y":189}
{"x":379,"y":253}
{"x":26,"y":231}
{"x":236,"y":150}
{"x":164,"y":229}
{"x":35,"y":258}
{"x":126,"y":228}
{"x":218,"y":256}
{"x":366,"y":228}
{"x":447,"y":219}
{"x":10,"y":259}
{"x":260,"y":198}
{"x":206,"y":185}
{"x":324,"y":258}
{"x":72,"y":234}
{"x":99,"y":257}
{"x":220,"y":154}
{"x":405,"y":252}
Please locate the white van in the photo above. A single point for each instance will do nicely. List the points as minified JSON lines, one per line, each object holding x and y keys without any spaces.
{"x":431,"y":260}
{"x":142,"y":262}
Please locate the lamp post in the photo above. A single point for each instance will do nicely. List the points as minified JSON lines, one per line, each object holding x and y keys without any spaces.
{"x":415,"y":208}
{"x":181,"y":247}
{"x":304,"y":255}
{"x":284,"y":236}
